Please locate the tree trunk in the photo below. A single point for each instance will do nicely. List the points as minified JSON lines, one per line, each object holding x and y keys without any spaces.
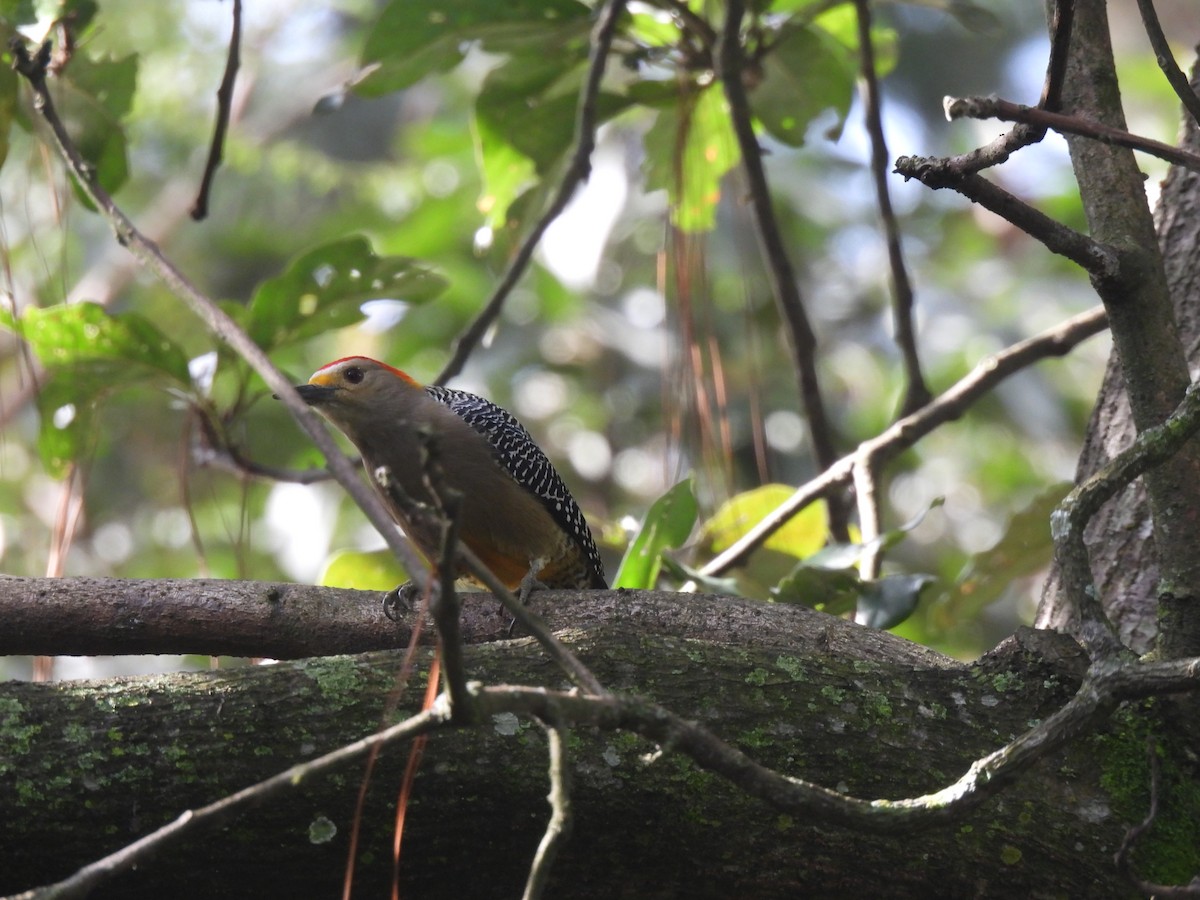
{"x":88,"y":767}
{"x":1120,"y":537}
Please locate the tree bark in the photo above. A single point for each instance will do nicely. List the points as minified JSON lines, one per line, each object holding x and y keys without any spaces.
{"x":1124,"y":555}
{"x":87,"y":767}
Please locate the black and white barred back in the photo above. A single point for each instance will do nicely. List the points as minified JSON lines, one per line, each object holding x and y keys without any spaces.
{"x":519,"y":455}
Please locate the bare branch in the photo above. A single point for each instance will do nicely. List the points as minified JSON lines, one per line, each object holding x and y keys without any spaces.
{"x":1166,"y":60}
{"x":995,"y":108}
{"x":224,"y":106}
{"x":578,"y":169}
{"x":904,"y":434}
{"x":1090,"y":255}
{"x":559,"y":825}
{"x":917,"y":392}
{"x":1062,"y":20}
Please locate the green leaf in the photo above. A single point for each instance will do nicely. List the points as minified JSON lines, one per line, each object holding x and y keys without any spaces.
{"x":525,"y":123}
{"x":18,"y":12}
{"x":66,"y":403}
{"x":833,"y":591}
{"x":841,"y":24}
{"x":882,"y":603}
{"x":801,"y":536}
{"x":653,"y":29}
{"x":378,"y":570}
{"x":92,"y":100}
{"x":688,"y":150}
{"x":888,"y":601}
{"x":86,"y":334}
{"x":667,"y":525}
{"x":415,"y":38}
{"x":324,"y":289}
{"x":806,"y":73}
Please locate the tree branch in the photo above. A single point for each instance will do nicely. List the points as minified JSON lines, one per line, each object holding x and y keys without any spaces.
{"x":1166,"y":59}
{"x":1104,"y":687}
{"x":908,"y":431}
{"x":1090,"y":255}
{"x":917,"y":392}
{"x":224,"y":106}
{"x":995,"y":108}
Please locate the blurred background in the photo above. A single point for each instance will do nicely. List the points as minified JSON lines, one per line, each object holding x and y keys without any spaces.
{"x":635,"y":355}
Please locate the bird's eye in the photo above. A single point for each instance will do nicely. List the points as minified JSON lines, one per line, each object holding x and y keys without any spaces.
{"x":354,"y":375}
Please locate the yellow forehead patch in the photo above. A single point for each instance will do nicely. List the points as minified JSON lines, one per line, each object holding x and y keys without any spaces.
{"x":323,"y":378}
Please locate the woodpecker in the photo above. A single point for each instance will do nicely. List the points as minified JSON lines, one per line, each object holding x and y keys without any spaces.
{"x":516,"y":513}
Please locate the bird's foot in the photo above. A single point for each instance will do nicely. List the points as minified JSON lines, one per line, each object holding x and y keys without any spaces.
{"x":399,"y":600}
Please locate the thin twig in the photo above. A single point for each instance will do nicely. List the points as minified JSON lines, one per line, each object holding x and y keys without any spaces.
{"x":989,"y":372}
{"x":224,"y":105}
{"x":916,"y":393}
{"x":1166,"y":60}
{"x":559,"y":825}
{"x":216,"y":319}
{"x":1062,"y":20}
{"x":578,"y":169}
{"x":870,"y":519}
{"x":1007,"y":111}
{"x":730,"y":64}
{"x":1093,"y":257}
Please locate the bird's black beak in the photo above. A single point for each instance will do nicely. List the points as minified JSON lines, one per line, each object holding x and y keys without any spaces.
{"x":313,"y":394}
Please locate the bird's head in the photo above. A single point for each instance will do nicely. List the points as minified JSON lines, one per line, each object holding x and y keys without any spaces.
{"x":356,"y":387}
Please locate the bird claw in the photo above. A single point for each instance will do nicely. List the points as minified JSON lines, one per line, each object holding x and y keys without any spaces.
{"x":399,"y":599}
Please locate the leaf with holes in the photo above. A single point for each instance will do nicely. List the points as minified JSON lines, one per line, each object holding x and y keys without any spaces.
{"x":415,"y":38}
{"x":324,"y":289}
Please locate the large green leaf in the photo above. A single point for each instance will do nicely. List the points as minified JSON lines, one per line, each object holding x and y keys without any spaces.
{"x":801,"y":536}
{"x":325,"y":288}
{"x":667,"y":525}
{"x":87,"y":334}
{"x":688,"y":150}
{"x":377,"y":570}
{"x":415,"y":38}
{"x":805,"y":73}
